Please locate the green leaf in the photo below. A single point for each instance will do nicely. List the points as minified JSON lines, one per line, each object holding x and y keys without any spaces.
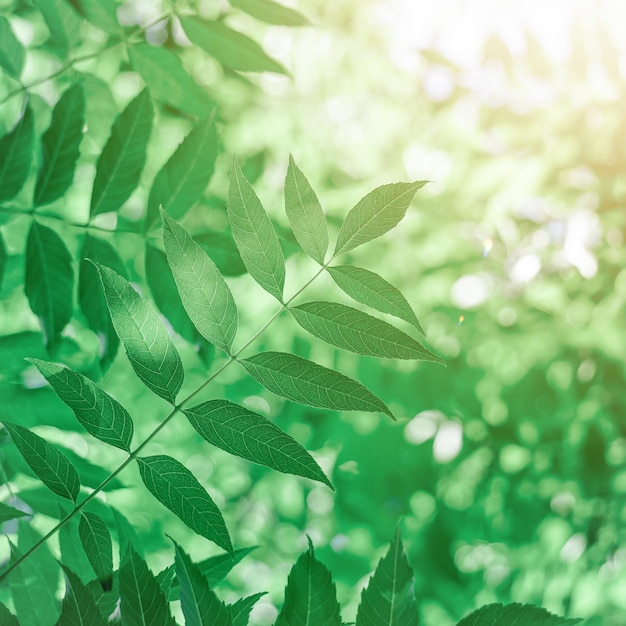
{"x":60,"y":146}
{"x":7,"y":618}
{"x":146,"y":341}
{"x":11,"y":50}
{"x":222,"y":249}
{"x":305,"y":214}
{"x":518,"y":614}
{"x":101,"y":415}
{"x":230,"y":47}
{"x":201,"y":607}
{"x":91,"y":297}
{"x":54,"y":470}
{"x":372,"y":290}
{"x":375,"y":214}
{"x":204,"y":293}
{"x":142,"y":601}
{"x":8,"y":513}
{"x":167,"y":79}
{"x":102,"y":13}
{"x":254,"y":235}
{"x":271,"y":12}
{"x":72,"y":552}
{"x":61,"y":20}
{"x":353,"y":330}
{"x":96,"y":540}
{"x":310,"y":595}
{"x":253,"y":437}
{"x":120,"y":165}
{"x":240,"y":610}
{"x":303,"y":381}
{"x":3,"y":258}
{"x":174,"y":486}
{"x":49,"y":282}
{"x":389,"y":598}
{"x":78,"y":608}
{"x":16,"y":156}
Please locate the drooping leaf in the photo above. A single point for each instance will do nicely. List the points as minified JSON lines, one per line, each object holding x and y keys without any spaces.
{"x":222,"y":249}
{"x":8,"y":513}
{"x":375,"y":214}
{"x":11,"y":50}
{"x":271,"y":12}
{"x":240,"y":610}
{"x":305,"y":214}
{"x":72,"y":552}
{"x":49,"y":281}
{"x":518,"y":614}
{"x":254,"y":235}
{"x":172,"y":484}
{"x":16,"y":156}
{"x":253,"y":437}
{"x":78,"y":608}
{"x":303,"y":381}
{"x":310,"y":595}
{"x":6,"y":617}
{"x":54,"y":470}
{"x":230,"y":47}
{"x":372,"y":290}
{"x":353,"y":330}
{"x":102,"y":13}
{"x":167,"y":79}
{"x":61,"y":20}
{"x":120,"y":165}
{"x":389,"y":598}
{"x":142,"y":601}
{"x":101,"y":415}
{"x":3,"y":258}
{"x":96,"y":540}
{"x":146,"y":341}
{"x":204,"y":293}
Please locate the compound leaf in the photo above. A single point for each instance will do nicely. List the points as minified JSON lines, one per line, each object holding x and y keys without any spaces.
{"x":11,"y":50}
{"x":518,"y":614}
{"x":78,"y":608}
{"x":271,"y":12}
{"x":16,"y":155}
{"x":96,"y":540}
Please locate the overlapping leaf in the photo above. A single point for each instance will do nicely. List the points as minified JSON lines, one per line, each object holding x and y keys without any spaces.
{"x":518,"y":614}
{"x":271,"y":12}
{"x":16,"y":155}
{"x":78,"y":608}
{"x":4,"y":256}
{"x":6,"y":617}
{"x":8,"y":512}
{"x":11,"y":50}
{"x":72,"y":552}
{"x":101,"y":13}
{"x":61,"y":20}
{"x":96,"y":540}
{"x":222,"y":249}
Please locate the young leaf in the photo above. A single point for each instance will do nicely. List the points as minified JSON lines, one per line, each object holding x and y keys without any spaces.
{"x":54,"y":470}
{"x":204,"y":293}
{"x":96,"y":539}
{"x":49,"y":281}
{"x":240,"y":610}
{"x":254,"y":235}
{"x":167,"y":79}
{"x":353,"y":330}
{"x":181,"y":182}
{"x":305,"y":214}
{"x":146,"y":341}
{"x":102,"y":13}
{"x":174,"y":486}
{"x":253,"y":437}
{"x":142,"y":601}
{"x":61,"y":20}
{"x":372,"y":290}
{"x":16,"y":155}
{"x":230,"y":47}
{"x":201,"y":607}
{"x":310,"y":595}
{"x":6,"y":617}
{"x":120,"y":165}
{"x":11,"y":50}
{"x":8,"y":512}
{"x":78,"y":608}
{"x":271,"y":12}
{"x":518,"y":614}
{"x":303,"y":381}
{"x":389,"y":598}
{"x":375,"y":214}
{"x":101,"y":415}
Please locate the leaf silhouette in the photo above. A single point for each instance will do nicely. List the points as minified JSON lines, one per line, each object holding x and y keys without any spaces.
{"x":96,"y":540}
{"x":11,"y":50}
{"x":16,"y":155}
{"x":271,"y":12}
{"x":78,"y":608}
{"x":518,"y":614}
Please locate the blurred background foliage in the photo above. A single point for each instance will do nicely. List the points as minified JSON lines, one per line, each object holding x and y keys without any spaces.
{"x":508,"y":467}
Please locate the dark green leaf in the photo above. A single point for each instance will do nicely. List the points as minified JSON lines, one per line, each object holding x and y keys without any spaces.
{"x":102,"y":13}
{"x":16,"y":156}
{"x":303,"y":381}
{"x":222,"y":249}
{"x":101,"y":415}
{"x":7,"y":618}
{"x":375,"y":214}
{"x":353,"y":330}
{"x":310,"y":595}
{"x":120,"y":165}
{"x":3,"y":258}
{"x":8,"y":512}
{"x":96,"y":540}
{"x":271,"y":12}
{"x":78,"y":608}
{"x":230,"y":47}
{"x":11,"y":50}
{"x":254,"y":235}
{"x":72,"y":552}
{"x":172,"y":484}
{"x":146,"y":341}
{"x":518,"y":614}
{"x":389,"y":598}
{"x":253,"y":437}
{"x":240,"y":610}
{"x":54,"y":470}
{"x":60,"y":146}
{"x":61,"y":20}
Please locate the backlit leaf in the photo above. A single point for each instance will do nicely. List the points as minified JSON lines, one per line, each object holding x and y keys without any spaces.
{"x":78,"y":608}
{"x":96,"y":540}
{"x":222,"y":249}
{"x":61,"y":20}
{"x":518,"y":614}
{"x":240,"y":610}
{"x":253,"y":437}
{"x":16,"y":156}
{"x":101,"y":13}
{"x":11,"y":50}
{"x":8,"y":512}
{"x":271,"y":12}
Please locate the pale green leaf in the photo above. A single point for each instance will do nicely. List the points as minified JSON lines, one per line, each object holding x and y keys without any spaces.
{"x":8,"y":513}
{"x":240,"y":610}
{"x":120,"y":165}
{"x":16,"y":156}
{"x":353,"y":330}
{"x":253,"y":437}
{"x":96,"y":540}
{"x":60,"y":146}
{"x":11,"y":50}
{"x":375,"y":214}
{"x":146,"y":340}
{"x":515,"y":614}
{"x":271,"y":12}
{"x":254,"y":235}
{"x":303,"y":381}
{"x":61,"y":20}
{"x":172,"y":484}
{"x":101,"y":13}
{"x":78,"y":608}
{"x":101,"y":415}
{"x":389,"y":598}
{"x":305,"y":214}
